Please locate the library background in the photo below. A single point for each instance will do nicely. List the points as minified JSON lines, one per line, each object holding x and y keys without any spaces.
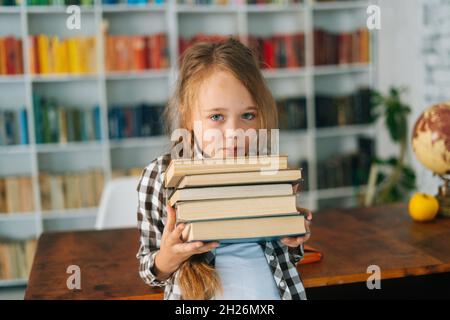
{"x":81,"y":107}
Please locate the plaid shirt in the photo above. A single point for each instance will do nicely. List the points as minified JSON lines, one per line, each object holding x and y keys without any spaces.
{"x":152,"y":215}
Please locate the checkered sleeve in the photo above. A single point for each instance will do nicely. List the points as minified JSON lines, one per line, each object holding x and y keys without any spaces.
{"x":150,"y":214}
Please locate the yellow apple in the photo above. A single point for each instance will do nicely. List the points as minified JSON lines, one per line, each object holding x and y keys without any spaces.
{"x":423,"y":207}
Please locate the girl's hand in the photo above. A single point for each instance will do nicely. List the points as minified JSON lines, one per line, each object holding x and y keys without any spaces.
{"x":173,"y":251}
{"x":296,"y":241}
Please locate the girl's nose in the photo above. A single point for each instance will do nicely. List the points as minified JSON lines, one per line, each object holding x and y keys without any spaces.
{"x":231,"y":126}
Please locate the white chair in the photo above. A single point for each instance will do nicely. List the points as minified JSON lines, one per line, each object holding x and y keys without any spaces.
{"x":118,"y":204}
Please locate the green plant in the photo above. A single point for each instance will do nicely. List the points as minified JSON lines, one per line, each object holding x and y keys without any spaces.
{"x":402,"y":179}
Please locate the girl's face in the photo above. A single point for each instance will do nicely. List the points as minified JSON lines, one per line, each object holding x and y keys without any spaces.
{"x":224,"y":105}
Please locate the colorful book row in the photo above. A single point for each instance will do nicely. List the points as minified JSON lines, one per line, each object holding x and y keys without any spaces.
{"x":136,"y":53}
{"x":55,"y":123}
{"x":59,"y":2}
{"x":70,"y":190}
{"x":74,"y":55}
{"x":341,"y":48}
{"x":139,"y":121}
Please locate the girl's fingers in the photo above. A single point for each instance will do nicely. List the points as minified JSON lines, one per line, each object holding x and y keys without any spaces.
{"x":171,"y":218}
{"x":289,"y":241}
{"x":195,"y":247}
{"x":308,"y":218}
{"x":186,"y":248}
{"x":209,"y":246}
{"x":307,"y":225}
{"x":308,"y":214}
{"x":294,"y":241}
{"x":175,"y":235}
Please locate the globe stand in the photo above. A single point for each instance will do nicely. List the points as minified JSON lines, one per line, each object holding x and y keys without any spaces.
{"x":443,"y":198}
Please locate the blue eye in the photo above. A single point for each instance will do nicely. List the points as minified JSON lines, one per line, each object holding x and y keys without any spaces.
{"x":216,"y":117}
{"x":248,"y":116}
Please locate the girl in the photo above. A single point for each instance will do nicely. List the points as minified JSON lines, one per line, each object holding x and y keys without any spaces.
{"x":220,"y":87}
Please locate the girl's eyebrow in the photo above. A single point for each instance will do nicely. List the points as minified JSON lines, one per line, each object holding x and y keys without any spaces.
{"x":225,"y":109}
{"x":215,"y":109}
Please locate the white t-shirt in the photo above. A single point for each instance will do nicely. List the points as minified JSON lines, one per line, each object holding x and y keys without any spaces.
{"x":244,"y":273}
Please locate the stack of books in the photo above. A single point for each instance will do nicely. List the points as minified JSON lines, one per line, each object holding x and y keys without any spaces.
{"x":242,"y":199}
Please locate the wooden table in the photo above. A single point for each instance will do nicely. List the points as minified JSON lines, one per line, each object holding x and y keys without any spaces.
{"x":351,"y":240}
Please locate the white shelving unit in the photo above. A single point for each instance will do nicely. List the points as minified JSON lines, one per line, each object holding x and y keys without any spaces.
{"x":155,"y":87}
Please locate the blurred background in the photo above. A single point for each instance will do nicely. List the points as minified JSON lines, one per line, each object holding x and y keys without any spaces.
{"x":82,"y":107}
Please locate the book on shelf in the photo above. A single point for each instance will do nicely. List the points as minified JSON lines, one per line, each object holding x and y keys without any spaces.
{"x":273,"y":1}
{"x":136,"y":52}
{"x":51,"y":55}
{"x":16,"y":194}
{"x":59,"y":2}
{"x":16,"y":259}
{"x":332,"y":0}
{"x":351,"y":109}
{"x":205,"y":2}
{"x":13,"y":127}
{"x":349,"y":168}
{"x":55,"y":123}
{"x":226,"y":2}
{"x":11,"y":62}
{"x":292,"y":113}
{"x":240,"y":209}
{"x":341,"y":48}
{"x":132,"y":2}
{"x":281,"y":50}
{"x":143,"y":120}
{"x":10,"y":2}
{"x":70,"y":190}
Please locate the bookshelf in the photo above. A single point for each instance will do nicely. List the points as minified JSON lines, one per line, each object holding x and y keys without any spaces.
{"x":104,"y":89}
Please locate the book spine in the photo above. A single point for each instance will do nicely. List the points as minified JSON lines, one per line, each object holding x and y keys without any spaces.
{"x":23,"y":126}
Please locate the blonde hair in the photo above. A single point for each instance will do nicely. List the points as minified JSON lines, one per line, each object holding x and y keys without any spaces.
{"x":197,"y":279}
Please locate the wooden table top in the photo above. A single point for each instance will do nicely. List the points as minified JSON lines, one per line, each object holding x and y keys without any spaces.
{"x":350,"y":239}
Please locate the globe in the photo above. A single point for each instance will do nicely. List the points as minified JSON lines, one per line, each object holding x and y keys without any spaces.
{"x":431,"y":138}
